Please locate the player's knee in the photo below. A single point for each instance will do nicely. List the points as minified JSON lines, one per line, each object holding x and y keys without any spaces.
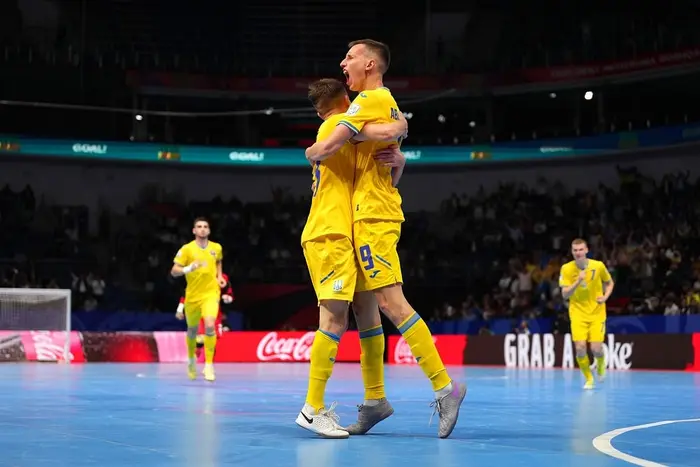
{"x":210,"y":331}
{"x":192,"y":332}
{"x":393,"y":303}
{"x":333,"y":316}
{"x":597,"y":349}
{"x":580,"y":349}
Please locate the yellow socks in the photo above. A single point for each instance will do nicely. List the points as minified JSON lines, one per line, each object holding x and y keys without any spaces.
{"x":600,"y":365}
{"x":323,"y":353}
{"x":191,"y":344}
{"x":585,"y":365}
{"x":209,"y":346}
{"x":417,"y":335}
{"x":372,"y":362}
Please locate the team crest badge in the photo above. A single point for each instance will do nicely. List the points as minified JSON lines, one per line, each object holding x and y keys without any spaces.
{"x":212,"y":252}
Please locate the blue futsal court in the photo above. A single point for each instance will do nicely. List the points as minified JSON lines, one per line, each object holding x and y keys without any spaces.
{"x":151,"y":415}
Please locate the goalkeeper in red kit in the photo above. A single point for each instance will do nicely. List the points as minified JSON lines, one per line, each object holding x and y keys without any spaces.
{"x":226,"y":297}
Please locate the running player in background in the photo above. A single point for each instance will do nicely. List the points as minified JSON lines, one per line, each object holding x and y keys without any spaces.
{"x":377,"y":217}
{"x":226,"y":297}
{"x":200,"y":261}
{"x":587,"y":284}
{"x":329,"y":252}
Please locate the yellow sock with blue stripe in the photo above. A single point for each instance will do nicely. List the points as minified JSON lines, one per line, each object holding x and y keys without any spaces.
{"x":191,"y":340}
{"x":323,"y":353}
{"x":417,"y":335}
{"x":209,"y":346}
{"x":372,"y":362}
{"x":585,"y":365}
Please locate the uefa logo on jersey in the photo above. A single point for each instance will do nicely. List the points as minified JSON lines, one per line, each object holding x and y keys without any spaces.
{"x":338,"y":285}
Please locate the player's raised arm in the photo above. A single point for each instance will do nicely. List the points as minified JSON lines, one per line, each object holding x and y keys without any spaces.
{"x":361,"y":112}
{"x":322,"y":150}
{"x":393,"y":131}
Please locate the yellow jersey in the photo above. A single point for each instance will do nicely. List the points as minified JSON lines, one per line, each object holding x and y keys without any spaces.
{"x":583,"y":304}
{"x":331,"y":204}
{"x":375,"y":196}
{"x":201,"y":283}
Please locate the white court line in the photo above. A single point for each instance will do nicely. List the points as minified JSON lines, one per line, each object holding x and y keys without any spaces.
{"x":603,"y":443}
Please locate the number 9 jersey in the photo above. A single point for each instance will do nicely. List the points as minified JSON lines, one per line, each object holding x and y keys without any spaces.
{"x":377,"y":212}
{"x":327,"y":236}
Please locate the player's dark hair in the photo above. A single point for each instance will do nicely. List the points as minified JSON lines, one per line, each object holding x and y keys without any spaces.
{"x":380,"y":49}
{"x":201,"y":219}
{"x":324,"y":93}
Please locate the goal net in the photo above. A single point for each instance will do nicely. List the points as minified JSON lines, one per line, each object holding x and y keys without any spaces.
{"x":35,"y":325}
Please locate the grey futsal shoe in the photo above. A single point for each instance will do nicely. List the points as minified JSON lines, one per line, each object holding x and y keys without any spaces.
{"x":370,"y":415}
{"x":447,"y":408}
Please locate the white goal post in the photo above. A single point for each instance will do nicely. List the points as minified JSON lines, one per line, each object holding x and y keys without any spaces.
{"x":36,"y":312}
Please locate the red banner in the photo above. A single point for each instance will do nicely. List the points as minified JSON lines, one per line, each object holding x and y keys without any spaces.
{"x":279,"y":346}
{"x":695,"y":366}
{"x":612,"y":68}
{"x":450,"y":347}
{"x":40,"y":346}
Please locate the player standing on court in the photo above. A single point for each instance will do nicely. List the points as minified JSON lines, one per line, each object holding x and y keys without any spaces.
{"x":377,"y":217}
{"x":329,"y":252}
{"x":200,"y":261}
{"x":226,"y":297}
{"x":587,"y":284}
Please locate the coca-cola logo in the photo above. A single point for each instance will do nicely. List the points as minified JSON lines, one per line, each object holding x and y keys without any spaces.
{"x":47,"y":350}
{"x":402,"y":351}
{"x":272,"y":347}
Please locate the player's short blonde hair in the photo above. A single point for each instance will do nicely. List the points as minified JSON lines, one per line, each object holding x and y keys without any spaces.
{"x":380,"y":49}
{"x":579,"y":241}
{"x":324,"y":94}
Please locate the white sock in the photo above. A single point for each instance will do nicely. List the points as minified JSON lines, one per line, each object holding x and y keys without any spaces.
{"x":444,"y":391}
{"x":371,"y":402}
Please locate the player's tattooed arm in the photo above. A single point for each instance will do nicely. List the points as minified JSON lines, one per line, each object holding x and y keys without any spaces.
{"x":384,"y":131}
{"x":324,"y":149}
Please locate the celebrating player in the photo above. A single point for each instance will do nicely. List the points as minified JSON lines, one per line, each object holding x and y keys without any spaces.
{"x":226,"y":297}
{"x":200,"y":261}
{"x":329,"y":252}
{"x":377,"y":217}
{"x":587,"y":284}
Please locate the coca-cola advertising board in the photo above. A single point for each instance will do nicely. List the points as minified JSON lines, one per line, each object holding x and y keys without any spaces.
{"x":39,"y":346}
{"x":450,"y":347}
{"x":280,"y":346}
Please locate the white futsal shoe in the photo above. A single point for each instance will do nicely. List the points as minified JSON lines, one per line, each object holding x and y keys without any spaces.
{"x":324,"y":423}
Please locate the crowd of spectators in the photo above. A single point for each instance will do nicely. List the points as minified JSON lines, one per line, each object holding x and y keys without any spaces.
{"x":647,"y":233}
{"x":482,"y":257}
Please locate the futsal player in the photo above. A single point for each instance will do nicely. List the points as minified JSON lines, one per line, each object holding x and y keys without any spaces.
{"x":226,"y":297}
{"x":587,"y":284}
{"x":377,"y":218}
{"x":200,"y":261}
{"x":328,"y":248}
